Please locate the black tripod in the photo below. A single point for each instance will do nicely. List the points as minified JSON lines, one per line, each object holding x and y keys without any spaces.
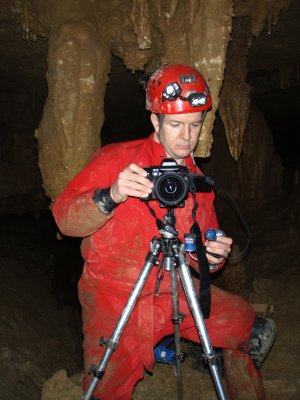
{"x":174,"y":260}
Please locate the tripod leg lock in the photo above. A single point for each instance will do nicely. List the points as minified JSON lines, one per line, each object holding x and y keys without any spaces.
{"x":209,"y":358}
{"x":95,"y":372}
{"x":178,"y":321}
{"x":180,"y":356}
{"x":108,"y":343}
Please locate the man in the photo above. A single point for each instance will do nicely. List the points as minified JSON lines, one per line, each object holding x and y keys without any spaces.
{"x":103,"y":205}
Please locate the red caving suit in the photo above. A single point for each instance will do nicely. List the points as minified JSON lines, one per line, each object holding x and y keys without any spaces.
{"x":114,"y":249}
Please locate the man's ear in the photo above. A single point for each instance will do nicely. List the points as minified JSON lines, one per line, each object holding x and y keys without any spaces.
{"x":155,"y":122}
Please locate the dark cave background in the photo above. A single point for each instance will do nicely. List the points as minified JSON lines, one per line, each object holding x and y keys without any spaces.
{"x":33,"y":254}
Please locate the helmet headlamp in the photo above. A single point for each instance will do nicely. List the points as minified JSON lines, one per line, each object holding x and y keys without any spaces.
{"x":197,"y":99}
{"x":171,"y":92}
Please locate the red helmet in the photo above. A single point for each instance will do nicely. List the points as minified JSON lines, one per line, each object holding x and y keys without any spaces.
{"x":177,"y":89}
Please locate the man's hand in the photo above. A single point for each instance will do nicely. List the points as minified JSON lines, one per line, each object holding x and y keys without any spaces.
{"x":132,"y":182}
{"x":221,"y":247}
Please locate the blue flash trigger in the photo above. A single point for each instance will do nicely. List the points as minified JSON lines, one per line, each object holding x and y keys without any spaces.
{"x":212,"y":234}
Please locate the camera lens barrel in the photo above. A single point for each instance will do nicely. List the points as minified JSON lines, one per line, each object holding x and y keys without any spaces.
{"x":171,"y":189}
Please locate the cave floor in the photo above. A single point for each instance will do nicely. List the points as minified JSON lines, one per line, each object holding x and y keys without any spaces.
{"x":40,"y":326}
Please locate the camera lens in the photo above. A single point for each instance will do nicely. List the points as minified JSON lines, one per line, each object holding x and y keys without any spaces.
{"x":171,"y":189}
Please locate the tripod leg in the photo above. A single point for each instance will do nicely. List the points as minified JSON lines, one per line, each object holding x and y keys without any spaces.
{"x":112,"y":342}
{"x":176,"y":319}
{"x":193,"y":303}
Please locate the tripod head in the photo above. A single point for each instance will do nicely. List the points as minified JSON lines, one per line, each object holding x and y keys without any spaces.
{"x":170,"y":244}
{"x":167,"y":229}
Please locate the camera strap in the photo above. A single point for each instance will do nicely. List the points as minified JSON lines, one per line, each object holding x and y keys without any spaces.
{"x":152,"y":212}
{"x":204,"y":272}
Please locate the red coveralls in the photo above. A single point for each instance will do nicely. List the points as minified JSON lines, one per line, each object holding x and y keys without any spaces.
{"x":114,"y":256}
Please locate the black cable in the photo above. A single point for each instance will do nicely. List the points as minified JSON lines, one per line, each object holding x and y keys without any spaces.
{"x":232,"y":203}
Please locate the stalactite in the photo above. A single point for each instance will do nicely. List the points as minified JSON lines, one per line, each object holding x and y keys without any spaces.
{"x":140,"y":17}
{"x":208,"y":38}
{"x":77,"y":74}
{"x":171,"y":9}
{"x":191,"y":5}
{"x":158,"y":6}
{"x":235,"y":95}
{"x":28,"y":22}
{"x":266,"y":13}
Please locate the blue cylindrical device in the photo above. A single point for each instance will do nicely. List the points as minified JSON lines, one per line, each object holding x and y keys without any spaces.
{"x":212,"y":234}
{"x":190,"y":242}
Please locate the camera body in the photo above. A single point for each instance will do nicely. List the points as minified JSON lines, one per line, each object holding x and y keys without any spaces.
{"x":173,"y":182}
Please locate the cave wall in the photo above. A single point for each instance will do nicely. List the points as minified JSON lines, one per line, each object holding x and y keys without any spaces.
{"x":81,"y":37}
{"x":79,"y":62}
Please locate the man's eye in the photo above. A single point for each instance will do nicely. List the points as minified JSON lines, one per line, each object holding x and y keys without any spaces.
{"x":196,"y":125}
{"x":174,"y":125}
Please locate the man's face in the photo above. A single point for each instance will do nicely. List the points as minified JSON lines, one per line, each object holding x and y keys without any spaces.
{"x":178,"y":133}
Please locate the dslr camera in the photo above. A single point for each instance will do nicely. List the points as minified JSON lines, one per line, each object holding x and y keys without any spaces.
{"x":173,"y":182}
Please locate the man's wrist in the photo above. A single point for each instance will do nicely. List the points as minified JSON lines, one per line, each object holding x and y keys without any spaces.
{"x":104,"y":201}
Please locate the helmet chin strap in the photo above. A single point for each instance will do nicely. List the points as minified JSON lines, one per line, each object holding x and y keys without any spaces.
{"x":158,"y":136}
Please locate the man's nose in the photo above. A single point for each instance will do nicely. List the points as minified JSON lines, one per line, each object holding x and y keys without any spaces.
{"x":186,"y":132}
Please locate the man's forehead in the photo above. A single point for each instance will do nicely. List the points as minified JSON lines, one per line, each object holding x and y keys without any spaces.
{"x":188,"y":117}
